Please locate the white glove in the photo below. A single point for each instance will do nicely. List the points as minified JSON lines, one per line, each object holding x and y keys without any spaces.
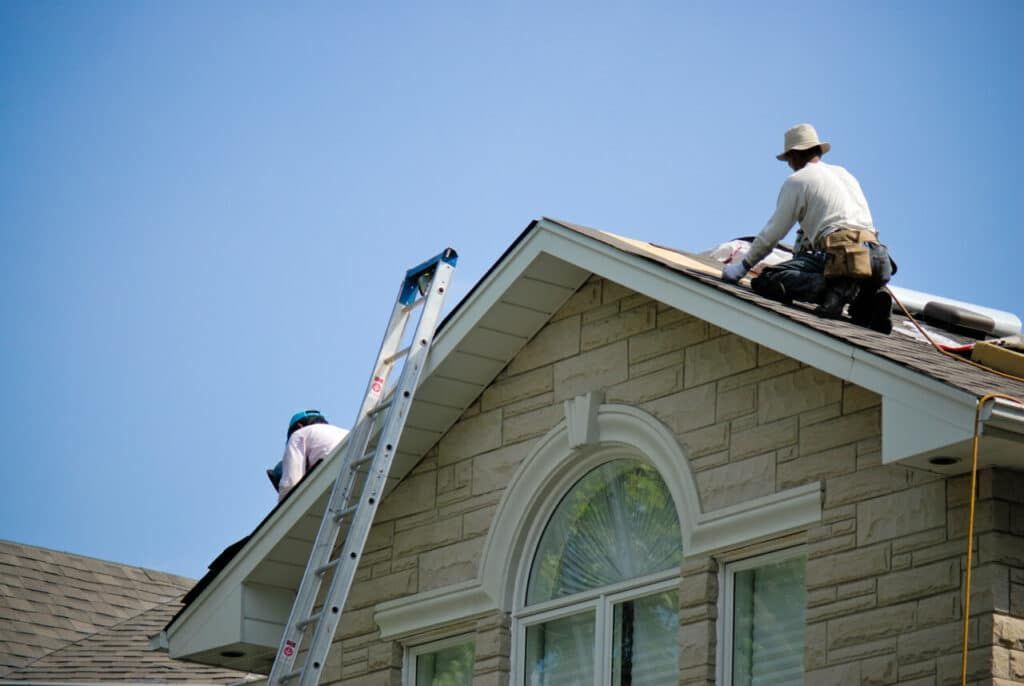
{"x":734,"y":271}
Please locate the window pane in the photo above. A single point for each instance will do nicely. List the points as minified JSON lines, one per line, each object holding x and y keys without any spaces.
{"x":645,"y":641}
{"x":768,"y":625}
{"x":451,"y":666}
{"x":617,"y":523}
{"x":561,"y":652}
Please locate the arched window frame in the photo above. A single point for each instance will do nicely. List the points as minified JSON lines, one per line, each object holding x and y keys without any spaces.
{"x":601,"y":600}
{"x":544,"y":476}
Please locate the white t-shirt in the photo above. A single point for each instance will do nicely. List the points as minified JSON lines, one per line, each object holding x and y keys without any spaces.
{"x":305,"y":448}
{"x":819,"y":196}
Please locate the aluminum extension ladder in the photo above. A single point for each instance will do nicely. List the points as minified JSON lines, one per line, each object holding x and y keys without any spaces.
{"x":357,"y":492}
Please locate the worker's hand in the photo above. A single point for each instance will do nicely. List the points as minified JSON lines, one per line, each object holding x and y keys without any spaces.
{"x":734,"y":271}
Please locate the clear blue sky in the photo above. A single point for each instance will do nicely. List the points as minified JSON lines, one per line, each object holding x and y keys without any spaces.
{"x":206,"y":207}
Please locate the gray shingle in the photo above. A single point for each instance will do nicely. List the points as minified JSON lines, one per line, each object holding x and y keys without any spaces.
{"x":70,"y":618}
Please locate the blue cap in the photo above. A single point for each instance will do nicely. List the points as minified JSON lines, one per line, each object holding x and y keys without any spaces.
{"x":305,"y":414}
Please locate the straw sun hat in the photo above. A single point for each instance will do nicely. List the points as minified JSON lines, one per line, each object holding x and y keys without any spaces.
{"x":802,"y":137}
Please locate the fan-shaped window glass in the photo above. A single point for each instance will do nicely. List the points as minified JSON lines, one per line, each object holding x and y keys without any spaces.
{"x":617,"y":523}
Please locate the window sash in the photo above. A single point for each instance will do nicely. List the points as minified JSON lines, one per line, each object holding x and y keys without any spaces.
{"x":602,"y":603}
{"x":414,"y":653}
{"x":793,"y":624}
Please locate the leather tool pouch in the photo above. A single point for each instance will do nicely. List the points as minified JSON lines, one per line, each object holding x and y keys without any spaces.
{"x":847,"y":253}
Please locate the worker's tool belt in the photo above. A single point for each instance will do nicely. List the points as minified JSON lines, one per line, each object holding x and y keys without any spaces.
{"x":848,"y":253}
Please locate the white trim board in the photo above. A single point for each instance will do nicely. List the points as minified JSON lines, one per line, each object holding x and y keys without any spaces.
{"x":549,"y":247}
{"x":543,"y":477}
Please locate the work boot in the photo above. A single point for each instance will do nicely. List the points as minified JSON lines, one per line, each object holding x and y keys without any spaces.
{"x":881,"y":312}
{"x":836,"y":295}
{"x":831,"y":305}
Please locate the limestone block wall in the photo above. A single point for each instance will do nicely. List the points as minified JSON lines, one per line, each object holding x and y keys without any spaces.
{"x":884,"y":565}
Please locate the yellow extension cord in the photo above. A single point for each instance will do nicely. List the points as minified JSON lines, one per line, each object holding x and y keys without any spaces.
{"x":974,"y":472}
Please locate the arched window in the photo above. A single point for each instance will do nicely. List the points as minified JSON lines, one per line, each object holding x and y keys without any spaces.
{"x":601,"y":594}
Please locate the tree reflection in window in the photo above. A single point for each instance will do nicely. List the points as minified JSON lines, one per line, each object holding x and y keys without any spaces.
{"x":617,"y":523}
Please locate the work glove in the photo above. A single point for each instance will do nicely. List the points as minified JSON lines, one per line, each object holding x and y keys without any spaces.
{"x":734,"y":271}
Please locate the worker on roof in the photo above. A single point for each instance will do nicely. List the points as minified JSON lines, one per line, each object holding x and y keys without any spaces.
{"x":310,"y":439}
{"x":838,"y":260}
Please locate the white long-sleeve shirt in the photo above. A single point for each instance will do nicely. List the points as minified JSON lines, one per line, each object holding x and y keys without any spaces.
{"x":305,"y":448}
{"x":819,"y":196}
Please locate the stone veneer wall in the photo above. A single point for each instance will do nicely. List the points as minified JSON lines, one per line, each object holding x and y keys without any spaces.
{"x":884,"y":566}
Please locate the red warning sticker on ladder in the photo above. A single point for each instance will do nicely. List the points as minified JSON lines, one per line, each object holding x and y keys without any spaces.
{"x":377,"y":386}
{"x":289,"y":648}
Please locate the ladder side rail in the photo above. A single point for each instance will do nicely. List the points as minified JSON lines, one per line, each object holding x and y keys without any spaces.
{"x":330,"y":527}
{"x":355,"y":540}
{"x":382,"y":367}
{"x":327,"y":534}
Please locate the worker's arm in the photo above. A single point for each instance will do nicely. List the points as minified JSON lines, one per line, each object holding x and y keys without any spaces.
{"x":293,"y":465}
{"x":787,"y":211}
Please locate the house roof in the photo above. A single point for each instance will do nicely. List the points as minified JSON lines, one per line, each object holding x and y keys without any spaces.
{"x":911,"y":353}
{"x":928,"y":398}
{"x":69,"y":618}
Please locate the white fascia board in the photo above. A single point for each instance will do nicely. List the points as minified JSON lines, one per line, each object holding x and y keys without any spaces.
{"x":461,"y":323}
{"x":484,"y":297}
{"x":263,"y":540}
{"x":217,"y":623}
{"x":660,"y":282}
{"x":950,"y":405}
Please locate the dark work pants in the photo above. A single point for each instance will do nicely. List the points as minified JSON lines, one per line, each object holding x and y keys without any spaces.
{"x":803,"y":278}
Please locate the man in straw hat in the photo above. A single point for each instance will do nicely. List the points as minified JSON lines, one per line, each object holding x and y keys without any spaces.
{"x":838,"y":259}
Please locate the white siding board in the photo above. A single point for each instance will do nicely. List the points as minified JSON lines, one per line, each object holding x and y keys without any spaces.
{"x":429,"y":416}
{"x":550,"y":269}
{"x":446,"y":391}
{"x":473,"y":369}
{"x":497,"y":345}
{"x":418,"y":440}
{"x":537,"y":295}
{"x":273,"y":573}
{"x":514,"y":319}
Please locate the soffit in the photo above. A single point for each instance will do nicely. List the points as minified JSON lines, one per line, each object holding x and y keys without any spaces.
{"x":517,"y":296}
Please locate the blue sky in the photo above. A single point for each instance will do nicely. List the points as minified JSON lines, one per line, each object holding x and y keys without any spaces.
{"x":206,"y":207}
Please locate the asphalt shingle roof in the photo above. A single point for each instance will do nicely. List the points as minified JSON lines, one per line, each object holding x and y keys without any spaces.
{"x":67,"y":618}
{"x":917,"y":355}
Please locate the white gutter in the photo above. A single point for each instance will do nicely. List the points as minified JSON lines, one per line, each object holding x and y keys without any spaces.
{"x":1005,"y":415}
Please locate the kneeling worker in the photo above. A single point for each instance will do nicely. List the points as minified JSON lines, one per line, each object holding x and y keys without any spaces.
{"x":838,"y":259}
{"x":310,"y":439}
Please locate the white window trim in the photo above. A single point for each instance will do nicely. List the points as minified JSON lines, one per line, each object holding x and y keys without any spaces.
{"x":727,"y":584}
{"x":601,"y":603}
{"x":635,"y":432}
{"x":600,"y":600}
{"x":414,"y":651}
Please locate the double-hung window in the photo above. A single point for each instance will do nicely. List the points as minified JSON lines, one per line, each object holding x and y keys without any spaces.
{"x":443,"y":663}
{"x":765,"y":620}
{"x":601,"y":605}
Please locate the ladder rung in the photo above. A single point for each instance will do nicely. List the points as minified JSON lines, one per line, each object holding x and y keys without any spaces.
{"x":341,"y":514}
{"x":333,"y":563}
{"x":397,"y":355}
{"x":414,"y":304}
{"x":303,"y":623}
{"x":289,"y":676}
{"x":357,"y":487}
{"x":368,"y":457}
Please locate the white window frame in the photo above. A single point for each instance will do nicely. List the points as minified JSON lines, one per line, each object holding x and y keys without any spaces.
{"x":600,"y":600}
{"x":414,"y":651}
{"x":727,"y":583}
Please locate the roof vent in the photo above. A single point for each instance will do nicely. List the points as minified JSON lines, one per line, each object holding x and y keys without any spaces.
{"x":1002,"y":323}
{"x":958,"y":319}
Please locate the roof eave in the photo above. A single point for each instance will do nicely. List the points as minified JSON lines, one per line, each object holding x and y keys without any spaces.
{"x":947,"y":409}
